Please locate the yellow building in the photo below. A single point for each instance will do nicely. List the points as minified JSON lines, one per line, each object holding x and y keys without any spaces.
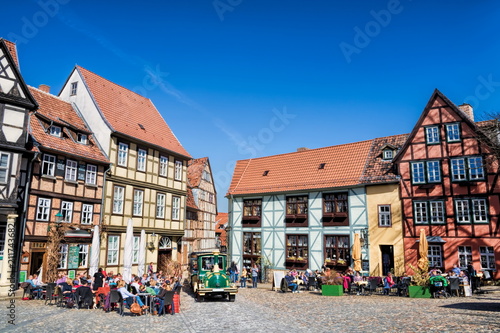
{"x":147,"y":181}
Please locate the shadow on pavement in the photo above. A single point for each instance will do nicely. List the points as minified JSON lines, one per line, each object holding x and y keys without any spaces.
{"x":493,"y":307}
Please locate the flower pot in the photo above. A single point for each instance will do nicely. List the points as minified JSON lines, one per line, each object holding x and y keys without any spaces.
{"x":419,"y":292}
{"x":332,"y":290}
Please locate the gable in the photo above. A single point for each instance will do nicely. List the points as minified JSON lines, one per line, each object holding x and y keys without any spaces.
{"x":13,"y":90}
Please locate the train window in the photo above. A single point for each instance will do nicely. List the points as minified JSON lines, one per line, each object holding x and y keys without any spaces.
{"x":208,"y":263}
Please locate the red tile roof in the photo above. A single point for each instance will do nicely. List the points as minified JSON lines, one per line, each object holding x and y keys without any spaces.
{"x":378,"y":170}
{"x":343,"y":166}
{"x":54,"y":109}
{"x":127,"y":111}
{"x":221,"y":219}
{"x":195,"y":171}
{"x":13,"y":51}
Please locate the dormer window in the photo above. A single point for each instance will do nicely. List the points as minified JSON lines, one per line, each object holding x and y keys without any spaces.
{"x":81,"y":138}
{"x":55,"y":131}
{"x":388,"y":154}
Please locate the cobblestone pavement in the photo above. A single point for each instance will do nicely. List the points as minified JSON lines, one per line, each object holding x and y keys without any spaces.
{"x":263,"y":310}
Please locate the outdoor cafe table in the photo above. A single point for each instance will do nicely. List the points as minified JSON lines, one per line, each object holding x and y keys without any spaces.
{"x":148,"y":300}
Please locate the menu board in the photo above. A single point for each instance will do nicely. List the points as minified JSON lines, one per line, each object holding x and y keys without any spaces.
{"x":22,"y":276}
{"x":73,"y":257}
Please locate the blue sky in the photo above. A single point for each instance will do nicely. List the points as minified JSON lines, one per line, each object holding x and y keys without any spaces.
{"x":238,"y":79}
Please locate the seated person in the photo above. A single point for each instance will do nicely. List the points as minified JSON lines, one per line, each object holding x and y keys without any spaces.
{"x":388,"y":283}
{"x":84,"y":295}
{"x":136,"y":285}
{"x":129,"y":297}
{"x":291,"y":282}
{"x":67,"y":288}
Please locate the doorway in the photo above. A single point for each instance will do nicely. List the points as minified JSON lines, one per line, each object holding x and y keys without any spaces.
{"x":36,"y":262}
{"x":387,"y":255}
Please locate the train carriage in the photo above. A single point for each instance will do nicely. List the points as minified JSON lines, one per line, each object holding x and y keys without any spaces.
{"x":209,"y":278}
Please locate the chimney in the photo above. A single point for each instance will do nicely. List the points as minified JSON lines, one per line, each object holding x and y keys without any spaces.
{"x":468,"y":110}
{"x":302,"y":149}
{"x":44,"y":88}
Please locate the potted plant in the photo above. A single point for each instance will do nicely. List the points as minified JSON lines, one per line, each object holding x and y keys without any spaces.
{"x":419,"y":287}
{"x":332,"y":284}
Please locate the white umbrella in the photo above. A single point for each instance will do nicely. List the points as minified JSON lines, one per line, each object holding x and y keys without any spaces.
{"x":94,"y":252}
{"x":142,"y":254}
{"x":127,"y":253}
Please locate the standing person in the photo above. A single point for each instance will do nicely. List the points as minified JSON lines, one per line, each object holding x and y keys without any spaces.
{"x":98,"y":279}
{"x":255,"y":275}
{"x":232,"y":271}
{"x":150,"y":269}
{"x":243,"y":278}
{"x":471,"y":273}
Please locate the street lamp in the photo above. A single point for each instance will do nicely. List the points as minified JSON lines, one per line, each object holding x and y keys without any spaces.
{"x":152,"y":243}
{"x":59,"y":217}
{"x":364,"y":237}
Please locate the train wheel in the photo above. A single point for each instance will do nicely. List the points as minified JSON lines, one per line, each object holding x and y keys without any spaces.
{"x":232,"y":298}
{"x":200,"y":298}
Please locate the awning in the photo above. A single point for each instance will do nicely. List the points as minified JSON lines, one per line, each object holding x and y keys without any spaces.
{"x":433,"y":239}
{"x":78,"y":233}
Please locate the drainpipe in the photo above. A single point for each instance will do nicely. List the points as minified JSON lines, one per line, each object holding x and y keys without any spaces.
{"x":103,"y":198}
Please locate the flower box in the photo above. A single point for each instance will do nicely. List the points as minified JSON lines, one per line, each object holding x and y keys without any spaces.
{"x":332,"y":290}
{"x":419,"y":292}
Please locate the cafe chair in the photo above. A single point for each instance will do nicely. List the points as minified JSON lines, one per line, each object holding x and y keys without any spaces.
{"x":454,"y":286}
{"x":50,"y":294}
{"x":168,"y":300}
{"x":116,"y":298}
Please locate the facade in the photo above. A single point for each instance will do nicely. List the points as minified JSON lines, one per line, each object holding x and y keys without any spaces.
{"x":450,"y":188}
{"x":299,"y":210}
{"x":147,"y":182}
{"x":16,"y":102}
{"x":385,"y":241}
{"x":199,"y":232}
{"x":67,"y":179}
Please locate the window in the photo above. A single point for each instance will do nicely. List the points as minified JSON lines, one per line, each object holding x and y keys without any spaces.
{"x":118,"y":193}
{"x":429,"y":211}
{"x":417,"y":173}
{"x":113,"y":246}
{"x":337,"y":250}
{"x":296,"y":206}
{"x":71,"y":170}
{"x":297,"y":249}
{"x":178,"y":170}
{"x":453,"y":132}
{"x":4,"y":167}
{"x":83,"y":255}
{"x":478,"y":207}
{"x":135,"y":249}
{"x":335,"y":203}
{"x":432,"y":134}
{"x":67,"y":211}
{"x":49,"y":165}
{"x":81,"y":138}
{"x":487,"y":257}
{"x":384,"y":216}
{"x":3,"y":227}
{"x":43,"y":209}
{"x":464,"y":256}
{"x":437,"y":211}
{"x":476,"y":170}
{"x":426,"y":172}
{"x":55,"y":131}
{"x":206,"y":176}
{"x":163,"y":166}
{"x":433,"y":172}
{"x":176,"y":205}
{"x":91,"y":174}
{"x":74,"y":87}
{"x":141,"y":159}
{"x":251,"y":212}
{"x":434,"y":254}
{"x":138,"y":202}
{"x":87,"y":211}
{"x":63,"y":260}
{"x":160,"y":205}
{"x":252,"y":243}
{"x":388,"y":154}
{"x":122,"y":154}
{"x":473,"y":164}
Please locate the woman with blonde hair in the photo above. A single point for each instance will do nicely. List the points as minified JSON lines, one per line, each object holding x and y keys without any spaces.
{"x":129,"y":297}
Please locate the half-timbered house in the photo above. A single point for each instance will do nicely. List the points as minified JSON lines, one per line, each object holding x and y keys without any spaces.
{"x":450,"y":187}
{"x":66,"y":185}
{"x":147,"y":182}
{"x":16,"y":102}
